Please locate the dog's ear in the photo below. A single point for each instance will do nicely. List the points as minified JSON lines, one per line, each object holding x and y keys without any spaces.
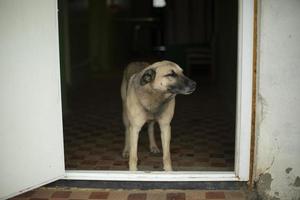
{"x":148,"y":76}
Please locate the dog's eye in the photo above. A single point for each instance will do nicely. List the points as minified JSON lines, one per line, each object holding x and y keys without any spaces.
{"x":172,"y":74}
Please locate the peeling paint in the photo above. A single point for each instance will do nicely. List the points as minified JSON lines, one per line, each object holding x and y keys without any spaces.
{"x":274,"y":198}
{"x":269,"y":167}
{"x":264,"y":184}
{"x":297,"y":182}
{"x":288,"y":170}
{"x":261,"y":107}
{"x":263,"y":187}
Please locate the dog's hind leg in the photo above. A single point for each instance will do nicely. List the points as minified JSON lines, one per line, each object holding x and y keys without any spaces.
{"x":125,"y":153}
{"x":152,"y":145}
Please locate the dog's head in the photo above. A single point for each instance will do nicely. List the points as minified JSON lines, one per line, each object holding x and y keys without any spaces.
{"x":166,"y":76}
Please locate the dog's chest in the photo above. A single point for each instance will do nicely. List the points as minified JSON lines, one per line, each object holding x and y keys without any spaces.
{"x":155,"y":111}
{"x":153,"y":103}
{"x":155,"y":107}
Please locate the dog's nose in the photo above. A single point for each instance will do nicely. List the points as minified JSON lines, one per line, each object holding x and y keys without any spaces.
{"x":193,"y":84}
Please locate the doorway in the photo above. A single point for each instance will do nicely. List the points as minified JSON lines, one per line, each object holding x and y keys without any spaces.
{"x":100,"y":38}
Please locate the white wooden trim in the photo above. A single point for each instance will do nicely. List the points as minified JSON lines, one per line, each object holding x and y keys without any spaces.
{"x":149,"y":175}
{"x":243,"y":122}
{"x":244,"y":89}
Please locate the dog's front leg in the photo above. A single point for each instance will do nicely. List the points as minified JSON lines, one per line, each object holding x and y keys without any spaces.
{"x":153,"y":145}
{"x":134,"y":136}
{"x":166,"y":139}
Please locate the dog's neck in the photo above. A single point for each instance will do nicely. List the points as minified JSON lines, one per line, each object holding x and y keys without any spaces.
{"x":153,"y":101}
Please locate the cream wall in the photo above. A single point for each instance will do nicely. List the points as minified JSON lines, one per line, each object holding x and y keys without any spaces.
{"x":278,"y":112}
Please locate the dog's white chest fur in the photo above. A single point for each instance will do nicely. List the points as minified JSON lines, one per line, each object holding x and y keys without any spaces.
{"x":153,"y":103}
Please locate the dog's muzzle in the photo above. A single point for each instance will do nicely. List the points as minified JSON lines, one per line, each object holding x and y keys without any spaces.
{"x":189,"y":86}
{"x":184,"y":85}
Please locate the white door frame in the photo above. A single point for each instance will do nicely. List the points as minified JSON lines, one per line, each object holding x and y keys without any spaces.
{"x":243,"y":122}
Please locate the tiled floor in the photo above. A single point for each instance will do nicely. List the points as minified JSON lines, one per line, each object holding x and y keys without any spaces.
{"x":75,"y":193}
{"x":202,"y":132}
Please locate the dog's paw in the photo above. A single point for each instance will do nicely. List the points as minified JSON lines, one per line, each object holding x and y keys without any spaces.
{"x":154,"y":149}
{"x":133,"y":168}
{"x":125,"y":154}
{"x":168,"y":168}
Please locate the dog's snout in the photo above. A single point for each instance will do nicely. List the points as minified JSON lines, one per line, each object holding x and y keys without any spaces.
{"x":193,"y":84}
{"x":190,"y":86}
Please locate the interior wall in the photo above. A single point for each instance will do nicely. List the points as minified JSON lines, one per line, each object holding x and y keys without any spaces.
{"x":99,"y":35}
{"x":188,"y":22}
{"x":78,"y":24}
{"x":79,"y":32}
{"x":226,"y":16}
{"x":278,"y":111}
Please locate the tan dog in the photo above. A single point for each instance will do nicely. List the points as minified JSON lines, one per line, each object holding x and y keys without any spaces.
{"x":148,"y":94}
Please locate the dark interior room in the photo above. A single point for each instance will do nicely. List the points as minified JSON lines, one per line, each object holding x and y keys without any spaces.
{"x":97,"y":41}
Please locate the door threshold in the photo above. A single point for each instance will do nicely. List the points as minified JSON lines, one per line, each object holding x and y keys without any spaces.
{"x":149,"y":185}
{"x":174,"y":176}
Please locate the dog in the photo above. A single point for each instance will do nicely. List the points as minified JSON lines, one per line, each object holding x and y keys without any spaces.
{"x":148,"y":96}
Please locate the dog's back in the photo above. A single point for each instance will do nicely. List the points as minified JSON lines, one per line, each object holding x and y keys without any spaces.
{"x":131,"y":69}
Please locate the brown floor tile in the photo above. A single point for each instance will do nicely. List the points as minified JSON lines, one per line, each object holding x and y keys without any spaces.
{"x":89,"y":162}
{"x":215,"y":195}
{"x":61,"y":194}
{"x":76,"y":199}
{"x":27,"y":194}
{"x":80,"y":194}
{"x":43,"y":193}
{"x":195,"y":195}
{"x":175,"y":196}
{"x":98,"y":195}
{"x":137,"y":196}
{"x":236,"y":195}
{"x":156,"y":196}
{"x":118,"y":195}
